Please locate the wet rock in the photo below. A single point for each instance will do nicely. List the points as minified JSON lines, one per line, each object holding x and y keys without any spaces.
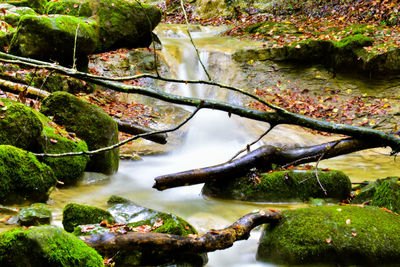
{"x":384,"y":193}
{"x":45,"y":246}
{"x":131,"y":217}
{"x":344,"y":235}
{"x":88,"y":122}
{"x":76,"y":214}
{"x":52,"y":38}
{"x":282,"y":186}
{"x":23,"y":177}
{"x":36,"y":214}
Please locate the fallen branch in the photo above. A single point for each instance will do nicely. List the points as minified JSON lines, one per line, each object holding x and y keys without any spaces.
{"x":111,"y":243}
{"x":262,"y":158}
{"x":279,"y":116}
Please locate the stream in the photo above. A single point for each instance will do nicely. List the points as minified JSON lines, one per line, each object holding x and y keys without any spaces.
{"x":210,"y":138}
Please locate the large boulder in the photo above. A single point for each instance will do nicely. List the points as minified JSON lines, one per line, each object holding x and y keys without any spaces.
{"x":344,"y":235}
{"x":384,"y":193}
{"x":23,"y":177}
{"x":76,"y":214}
{"x":121,"y":23}
{"x":88,"y":122}
{"x":52,"y":38}
{"x":45,"y":246}
{"x":132,"y":217}
{"x":28,"y":129}
{"x":281,"y":186}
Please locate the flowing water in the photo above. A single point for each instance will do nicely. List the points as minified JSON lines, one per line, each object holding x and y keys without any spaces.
{"x":211,"y":137}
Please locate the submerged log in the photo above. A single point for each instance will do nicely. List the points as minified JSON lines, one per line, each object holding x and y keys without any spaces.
{"x":111,"y":243}
{"x":262,"y":158}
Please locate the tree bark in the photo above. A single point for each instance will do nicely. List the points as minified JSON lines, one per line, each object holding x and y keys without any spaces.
{"x":111,"y":243}
{"x":262,"y":158}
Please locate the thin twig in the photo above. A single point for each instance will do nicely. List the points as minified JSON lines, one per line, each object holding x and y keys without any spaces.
{"x":247,"y":148}
{"x":191,"y":40}
{"x":91,"y":152}
{"x":316,"y":174}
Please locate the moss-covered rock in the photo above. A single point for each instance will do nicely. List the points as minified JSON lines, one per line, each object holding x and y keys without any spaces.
{"x":28,"y":129}
{"x":383,"y":193}
{"x":342,"y":235}
{"x":76,"y":214}
{"x":23,"y":177}
{"x":70,"y":7}
{"x":90,"y":123}
{"x":36,"y":5}
{"x":55,"y":140}
{"x":52,"y":38}
{"x":125,"y":24}
{"x":114,"y":199}
{"x":19,"y":126}
{"x":36,"y":214}
{"x":45,"y":246}
{"x":137,"y":218}
{"x":282,"y":186}
{"x":121,"y":23}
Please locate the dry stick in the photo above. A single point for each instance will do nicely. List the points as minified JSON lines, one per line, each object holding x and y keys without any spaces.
{"x":249,"y":145}
{"x":191,"y":40}
{"x":91,"y":152}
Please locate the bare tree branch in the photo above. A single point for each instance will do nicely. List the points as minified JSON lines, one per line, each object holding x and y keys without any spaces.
{"x":111,"y":243}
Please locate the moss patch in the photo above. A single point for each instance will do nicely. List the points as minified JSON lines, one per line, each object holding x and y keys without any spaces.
{"x":76,"y":214}
{"x":90,"y":123}
{"x":45,"y":246}
{"x":383,"y":193}
{"x":55,"y":140}
{"x":282,"y":186}
{"x":19,"y":126}
{"x":333,"y":234}
{"x":23,"y":177}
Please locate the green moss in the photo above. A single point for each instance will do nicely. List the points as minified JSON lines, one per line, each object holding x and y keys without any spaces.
{"x":75,"y":214}
{"x":353,"y":42}
{"x":36,"y":214}
{"x":70,"y":7}
{"x":45,"y":246}
{"x":19,"y":126}
{"x":55,"y":141}
{"x":30,"y":181}
{"x":383,"y":193}
{"x":114,"y":199}
{"x":333,"y":234}
{"x":282,"y":186}
{"x":90,"y":123}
